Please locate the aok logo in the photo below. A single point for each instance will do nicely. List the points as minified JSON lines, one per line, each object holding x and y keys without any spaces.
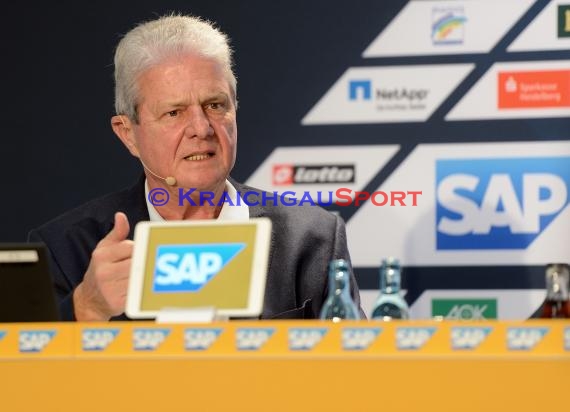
{"x":464,"y":309}
{"x":252,"y":338}
{"x":467,"y":338}
{"x":359,"y":338}
{"x":149,"y":339}
{"x":524,"y":338}
{"x":499,"y":203}
{"x":286,"y":175}
{"x":200,"y":338}
{"x":413,"y":338}
{"x":187,"y":268}
{"x":97,"y":339}
{"x":305,"y":338}
{"x":35,"y":340}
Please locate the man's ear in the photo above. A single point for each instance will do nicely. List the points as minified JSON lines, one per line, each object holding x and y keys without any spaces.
{"x":122,"y":127}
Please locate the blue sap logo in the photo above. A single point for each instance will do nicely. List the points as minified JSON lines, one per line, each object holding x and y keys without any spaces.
{"x":524,"y":338}
{"x":35,"y":340}
{"x":413,"y":338}
{"x":200,"y":338}
{"x":149,"y":339}
{"x":305,"y":338}
{"x":97,"y":339}
{"x":252,"y":338}
{"x":187,"y":268}
{"x":359,"y":338}
{"x":502,"y":203}
{"x":468,"y":337}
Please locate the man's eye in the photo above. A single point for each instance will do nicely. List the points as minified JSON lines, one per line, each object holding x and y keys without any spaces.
{"x":215,"y":106}
{"x":173,"y":113}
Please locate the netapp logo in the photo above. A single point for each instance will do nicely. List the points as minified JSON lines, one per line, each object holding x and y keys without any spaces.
{"x":284,"y":175}
{"x":499,"y":203}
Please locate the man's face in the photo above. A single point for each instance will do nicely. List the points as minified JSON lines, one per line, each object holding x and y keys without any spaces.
{"x":187,"y":123}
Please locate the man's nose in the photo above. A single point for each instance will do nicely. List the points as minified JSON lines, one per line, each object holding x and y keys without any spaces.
{"x":199,"y":124}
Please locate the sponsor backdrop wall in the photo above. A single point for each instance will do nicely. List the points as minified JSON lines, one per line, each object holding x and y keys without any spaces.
{"x":453,"y":115}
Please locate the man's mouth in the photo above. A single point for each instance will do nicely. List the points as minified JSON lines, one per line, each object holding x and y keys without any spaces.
{"x":201,"y":156}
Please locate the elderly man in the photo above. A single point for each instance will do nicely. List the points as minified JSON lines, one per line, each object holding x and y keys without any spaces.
{"x":175,"y":99}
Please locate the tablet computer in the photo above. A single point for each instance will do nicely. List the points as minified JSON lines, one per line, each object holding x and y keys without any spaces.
{"x":26,"y":289}
{"x":186,"y":265}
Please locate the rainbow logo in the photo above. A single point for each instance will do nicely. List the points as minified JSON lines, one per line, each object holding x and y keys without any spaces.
{"x":448,"y":26}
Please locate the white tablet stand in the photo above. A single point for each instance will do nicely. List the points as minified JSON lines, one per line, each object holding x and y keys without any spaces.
{"x":195,"y":315}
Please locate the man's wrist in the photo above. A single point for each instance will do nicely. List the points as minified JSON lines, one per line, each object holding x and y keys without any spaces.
{"x":83,"y":312}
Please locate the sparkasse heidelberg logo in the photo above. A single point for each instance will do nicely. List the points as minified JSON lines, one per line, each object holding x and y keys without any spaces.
{"x":188,"y":268}
{"x":288,"y":174}
{"x":498,"y":203}
{"x":534,"y":89}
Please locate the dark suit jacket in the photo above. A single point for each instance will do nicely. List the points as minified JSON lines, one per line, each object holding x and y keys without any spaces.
{"x":304,"y":239}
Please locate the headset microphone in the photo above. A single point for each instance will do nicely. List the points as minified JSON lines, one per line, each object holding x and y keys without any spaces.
{"x":170,"y":180}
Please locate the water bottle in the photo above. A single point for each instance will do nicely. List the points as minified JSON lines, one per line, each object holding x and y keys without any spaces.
{"x":557,"y":303}
{"x":339,"y":304}
{"x":390,"y":305}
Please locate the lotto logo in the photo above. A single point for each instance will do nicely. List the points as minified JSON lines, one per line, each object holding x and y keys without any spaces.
{"x":35,"y":340}
{"x":305,"y":338}
{"x":468,"y":337}
{"x":524,"y":338}
{"x":413,"y":338}
{"x":149,"y":339}
{"x":359,"y":338}
{"x":187,"y":268}
{"x":252,"y":338}
{"x":97,"y":339}
{"x":500,"y":203}
{"x":285,"y":174}
{"x":200,"y":338}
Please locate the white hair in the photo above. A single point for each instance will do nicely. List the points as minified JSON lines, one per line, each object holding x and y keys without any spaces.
{"x":150,"y":43}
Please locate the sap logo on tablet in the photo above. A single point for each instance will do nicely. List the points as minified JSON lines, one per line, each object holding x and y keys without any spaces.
{"x":188,"y":268}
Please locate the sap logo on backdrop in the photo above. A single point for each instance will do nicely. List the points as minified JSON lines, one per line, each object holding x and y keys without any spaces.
{"x":359,"y":338}
{"x":252,"y":338}
{"x":468,"y":337}
{"x":499,"y":203}
{"x":448,"y":25}
{"x":98,"y":339}
{"x":525,"y":338}
{"x":305,"y":338}
{"x":200,"y":338}
{"x":149,"y":339}
{"x":35,"y":340}
{"x":413,"y":338}
{"x":187,"y":268}
{"x":285,"y":174}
